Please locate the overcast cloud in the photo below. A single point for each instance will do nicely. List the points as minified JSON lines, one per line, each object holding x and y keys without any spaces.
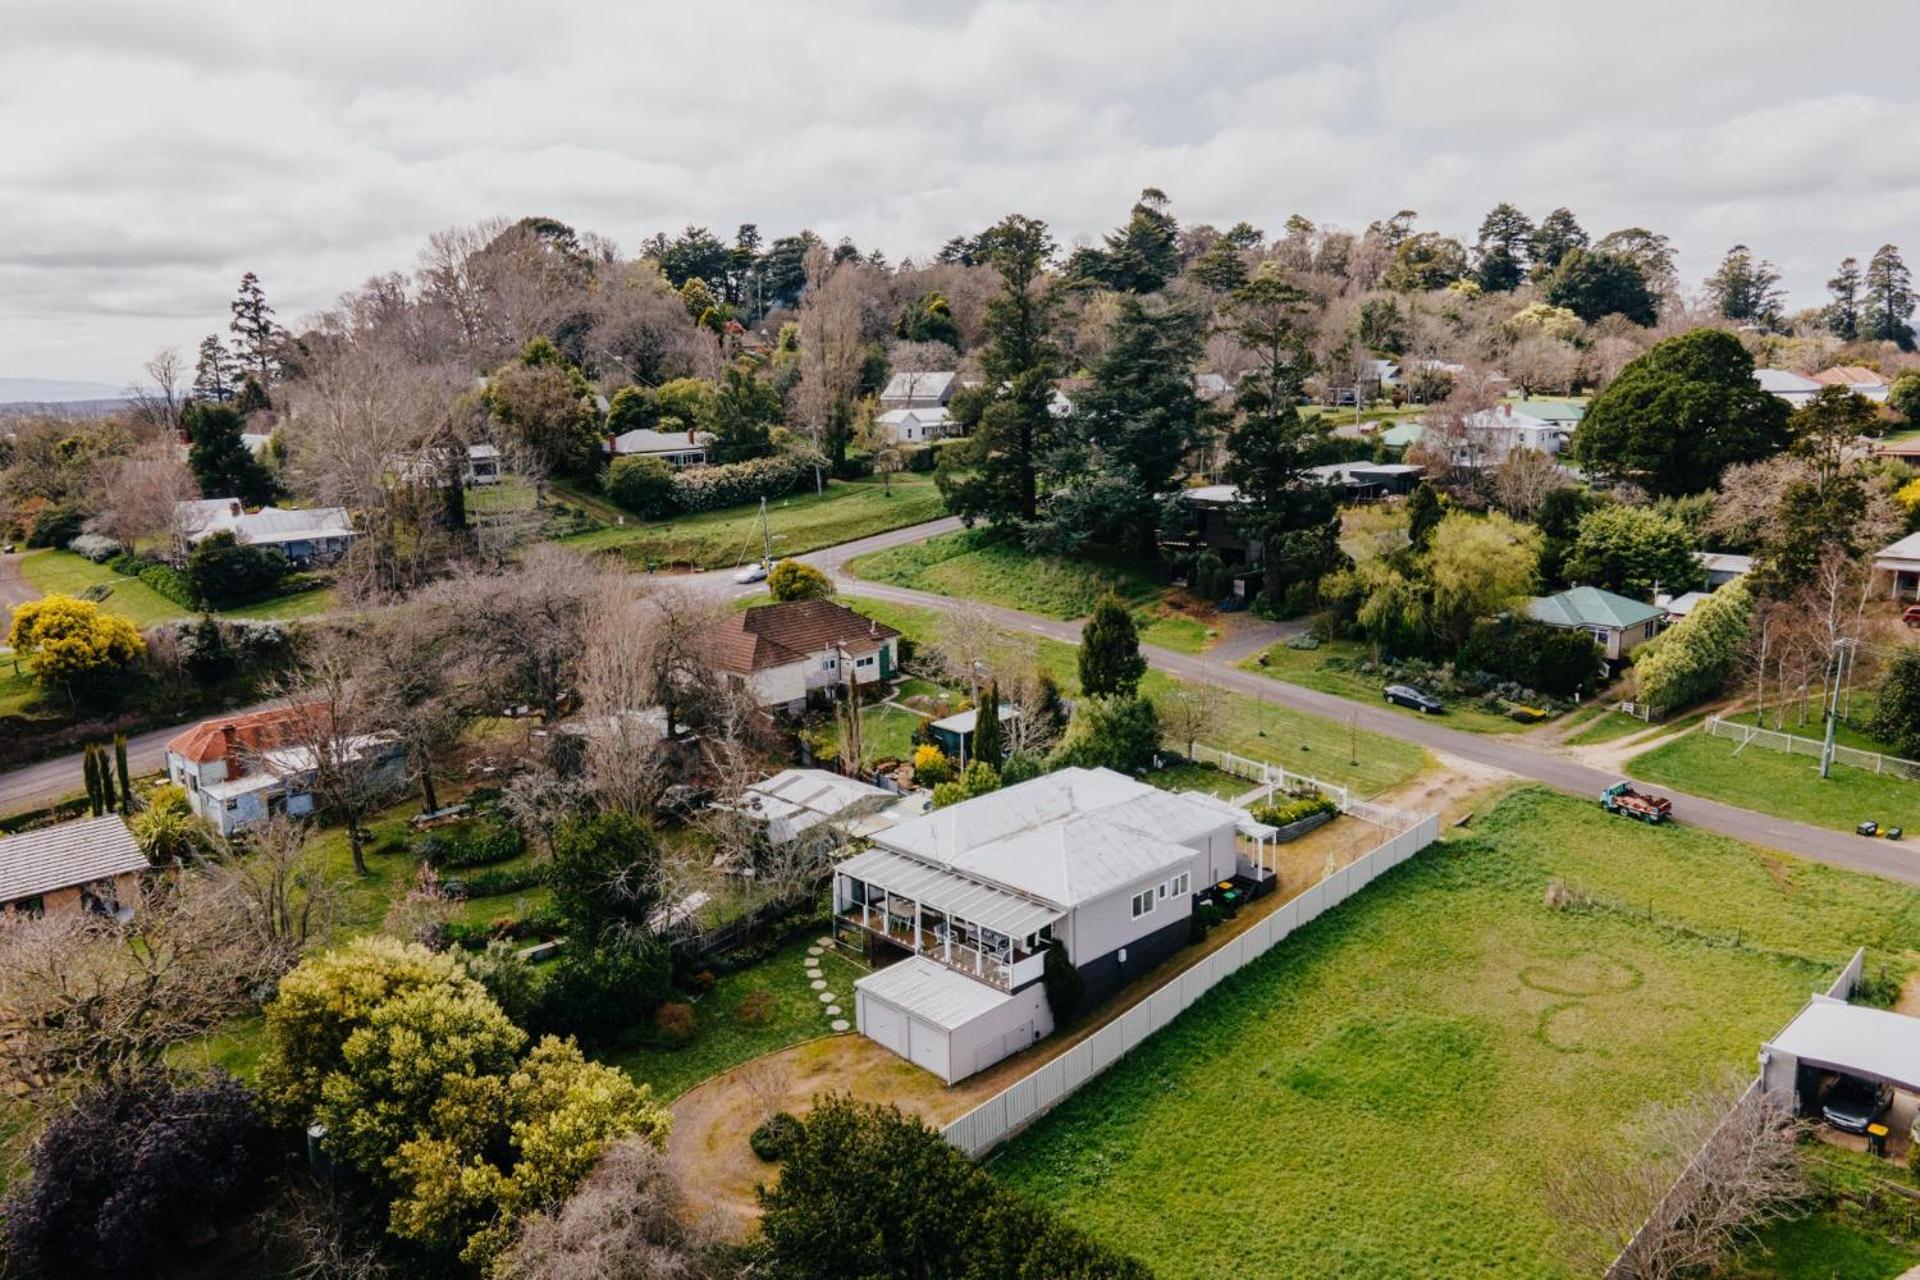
{"x":150,"y":152}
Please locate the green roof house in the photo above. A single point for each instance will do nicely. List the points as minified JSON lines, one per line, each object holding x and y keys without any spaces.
{"x":1619,"y":624}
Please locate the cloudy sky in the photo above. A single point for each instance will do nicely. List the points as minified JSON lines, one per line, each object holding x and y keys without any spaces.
{"x":152,"y":150}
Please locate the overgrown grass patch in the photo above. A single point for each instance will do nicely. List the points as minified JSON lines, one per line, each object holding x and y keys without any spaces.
{"x":1310,"y":669}
{"x":981,"y":564}
{"x":798,"y":523}
{"x":1391,"y":1091}
{"x":1789,"y":786}
{"x":1609,"y":726}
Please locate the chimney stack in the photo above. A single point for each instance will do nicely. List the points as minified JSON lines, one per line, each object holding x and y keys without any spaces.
{"x":612,"y":443}
{"x":1506,"y":407}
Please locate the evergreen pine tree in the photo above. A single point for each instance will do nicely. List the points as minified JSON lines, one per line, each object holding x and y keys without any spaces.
{"x":1843,"y":313}
{"x":214,"y":376}
{"x":221,"y":462}
{"x":1110,"y":661}
{"x":90,"y":761}
{"x":1889,"y":299}
{"x":256,"y":338}
{"x":1423,"y":513}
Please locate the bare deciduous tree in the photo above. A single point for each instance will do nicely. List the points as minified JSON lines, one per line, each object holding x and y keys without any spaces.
{"x":335,"y":740}
{"x":1698,"y":1174}
{"x":1523,"y":480}
{"x":84,"y":996}
{"x":139,"y":496}
{"x":422,"y":911}
{"x":1190,"y":712}
{"x":159,"y":401}
{"x":625,"y":1222}
{"x":285,"y":887}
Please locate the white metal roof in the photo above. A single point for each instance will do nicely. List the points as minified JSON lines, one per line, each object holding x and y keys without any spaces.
{"x":645,"y":440}
{"x":1783,"y":381}
{"x":1906,"y":549}
{"x":65,"y":855}
{"x":933,"y":992}
{"x":1724,"y":562}
{"x":1065,"y":838}
{"x":923,"y":385}
{"x":1682,"y":605}
{"x":963,"y":721}
{"x":986,"y":905}
{"x":1855,"y":1039}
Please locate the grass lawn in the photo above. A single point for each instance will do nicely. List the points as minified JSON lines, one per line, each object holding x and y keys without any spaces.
{"x":723,"y":1039}
{"x":1856,"y":1229}
{"x":979,"y":565}
{"x":1368,"y":762}
{"x":1176,"y":631}
{"x":64,"y":573}
{"x":1391,"y":1091}
{"x":886,"y":733}
{"x":1307,"y":668}
{"x":849,"y":509}
{"x":1849,"y":732}
{"x":1197,"y":777}
{"x":1610,"y":726}
{"x":1777,"y":783}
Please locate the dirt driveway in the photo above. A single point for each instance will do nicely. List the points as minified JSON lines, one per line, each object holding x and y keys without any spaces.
{"x":708,"y":1151}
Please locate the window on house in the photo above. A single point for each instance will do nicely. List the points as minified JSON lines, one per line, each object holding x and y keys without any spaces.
{"x":1182,"y":884}
{"x":1163,"y":889}
{"x":1142,"y":903}
{"x":233,"y":804}
{"x":864,"y":662}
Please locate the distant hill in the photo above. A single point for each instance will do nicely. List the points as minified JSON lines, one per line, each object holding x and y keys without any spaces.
{"x":38,"y":391}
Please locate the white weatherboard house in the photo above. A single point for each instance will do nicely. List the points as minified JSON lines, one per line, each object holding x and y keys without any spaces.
{"x":678,"y":449}
{"x":241,"y":770}
{"x":972,"y":894}
{"x":307,"y":535}
{"x":1789,"y":386}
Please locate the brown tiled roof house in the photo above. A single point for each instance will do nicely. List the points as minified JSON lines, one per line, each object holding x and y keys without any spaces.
{"x":783,"y":650}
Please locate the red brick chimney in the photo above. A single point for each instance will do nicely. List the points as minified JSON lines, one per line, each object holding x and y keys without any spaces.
{"x":1506,"y":408}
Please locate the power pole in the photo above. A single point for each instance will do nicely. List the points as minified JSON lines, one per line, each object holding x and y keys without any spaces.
{"x":1833,"y":706}
{"x":766,"y":538}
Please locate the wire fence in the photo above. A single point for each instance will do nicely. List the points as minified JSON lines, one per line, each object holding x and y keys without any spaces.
{"x":1794,"y":745}
{"x":1020,"y":1104}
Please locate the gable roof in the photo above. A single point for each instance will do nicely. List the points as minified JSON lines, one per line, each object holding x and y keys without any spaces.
{"x":776,"y":634}
{"x":255,"y":732}
{"x":65,"y":855}
{"x":1783,"y":382}
{"x":1850,"y":375}
{"x":645,"y":440}
{"x":1590,"y":607}
{"x":925,"y":385}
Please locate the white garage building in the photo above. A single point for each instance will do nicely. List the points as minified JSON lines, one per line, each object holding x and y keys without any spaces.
{"x":946,"y":1022}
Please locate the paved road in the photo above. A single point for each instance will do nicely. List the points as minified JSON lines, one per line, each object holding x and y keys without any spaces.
{"x":14,"y":590}
{"x":35,"y":785}
{"x":1527,"y":758}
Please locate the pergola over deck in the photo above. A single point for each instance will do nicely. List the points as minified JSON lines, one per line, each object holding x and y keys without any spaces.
{"x":964,"y":923}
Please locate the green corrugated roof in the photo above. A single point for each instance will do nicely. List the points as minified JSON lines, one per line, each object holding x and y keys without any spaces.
{"x":1402,"y":434}
{"x":1551,"y":410}
{"x":1590,"y":607}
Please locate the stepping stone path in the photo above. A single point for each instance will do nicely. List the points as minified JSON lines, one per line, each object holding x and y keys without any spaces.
{"x":833,"y":1011}
{"x":813,"y":951}
{"x":827,"y":997}
{"x":818,"y":984}
{"x":839,"y":1024}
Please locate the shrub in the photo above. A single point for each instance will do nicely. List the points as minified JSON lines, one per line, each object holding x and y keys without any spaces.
{"x":702,"y":982}
{"x":643,"y":486}
{"x":121,"y":1177}
{"x":977,"y":779}
{"x":674,"y":1021}
{"x":756,"y":1009}
{"x":129,"y":565}
{"x":931,"y":766}
{"x":56,"y":526}
{"x":1555,"y":660}
{"x":494,"y":884}
{"x":1298,"y":809}
{"x":594,"y":991}
{"x":791,"y":580}
{"x":96,"y":547}
{"x":1021,"y":766}
{"x":68,"y":641}
{"x":222,"y":570}
{"x":477,"y":844}
{"x":1064,"y":985}
{"x":774,"y":1138}
{"x":1118,"y":732}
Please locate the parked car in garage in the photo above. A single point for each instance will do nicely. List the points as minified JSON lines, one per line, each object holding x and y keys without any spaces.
{"x":1852,"y":1104}
{"x":1406,"y":695}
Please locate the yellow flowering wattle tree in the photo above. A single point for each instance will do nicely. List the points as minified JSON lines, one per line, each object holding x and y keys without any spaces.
{"x":66,"y":640}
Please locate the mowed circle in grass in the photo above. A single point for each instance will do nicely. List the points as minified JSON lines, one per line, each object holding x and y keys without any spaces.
{"x":1587,"y":974}
{"x":1402,"y":1066}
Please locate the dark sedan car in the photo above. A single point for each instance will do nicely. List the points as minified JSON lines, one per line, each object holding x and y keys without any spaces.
{"x":1405,"y":695}
{"x":1852,"y":1103}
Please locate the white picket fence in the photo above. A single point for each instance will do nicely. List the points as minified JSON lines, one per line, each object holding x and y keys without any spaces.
{"x":1795,"y":745}
{"x":1021,"y":1103}
{"x":1262,"y":774}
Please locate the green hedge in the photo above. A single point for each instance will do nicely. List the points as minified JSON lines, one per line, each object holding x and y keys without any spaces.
{"x":169,"y":582}
{"x":1556,"y":660}
{"x":495,"y":884}
{"x":731,"y":484}
{"x":477,"y":844}
{"x":1695,"y":658}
